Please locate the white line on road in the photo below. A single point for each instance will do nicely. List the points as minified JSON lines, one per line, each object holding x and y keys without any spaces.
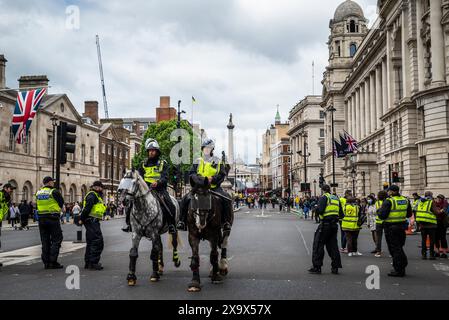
{"x":34,"y":253}
{"x":304,"y":240}
{"x":442,"y":267}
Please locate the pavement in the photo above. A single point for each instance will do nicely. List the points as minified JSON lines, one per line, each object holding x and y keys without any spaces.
{"x":269,"y":253}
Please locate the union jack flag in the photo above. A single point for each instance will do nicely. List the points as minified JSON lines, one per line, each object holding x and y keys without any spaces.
{"x":351,"y":142}
{"x":27,"y":104}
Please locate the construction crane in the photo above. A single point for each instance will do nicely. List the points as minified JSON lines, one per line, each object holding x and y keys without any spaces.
{"x":105,"y":102}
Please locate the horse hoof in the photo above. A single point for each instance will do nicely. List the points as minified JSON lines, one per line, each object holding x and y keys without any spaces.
{"x":155,"y":277}
{"x":132,"y":283}
{"x":224,"y":272}
{"x":194,"y":286}
{"x":177,"y":264}
{"x":217,"y":279}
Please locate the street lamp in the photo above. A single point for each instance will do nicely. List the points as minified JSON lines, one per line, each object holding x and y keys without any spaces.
{"x":314,"y":188}
{"x":179,"y":173}
{"x":331,"y":109}
{"x":54,"y":121}
{"x":304,"y":154}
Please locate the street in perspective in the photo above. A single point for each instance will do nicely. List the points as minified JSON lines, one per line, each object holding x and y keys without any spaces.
{"x":231,"y":150}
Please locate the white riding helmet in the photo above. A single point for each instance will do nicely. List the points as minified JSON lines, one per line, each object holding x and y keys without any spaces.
{"x":152,"y":144}
{"x":208,"y":143}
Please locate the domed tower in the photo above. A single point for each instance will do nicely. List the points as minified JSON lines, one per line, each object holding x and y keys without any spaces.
{"x":348,"y":29}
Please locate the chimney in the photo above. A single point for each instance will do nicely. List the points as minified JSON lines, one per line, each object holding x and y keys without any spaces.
{"x":165,"y":102}
{"x":2,"y":71}
{"x":33,"y":81}
{"x":91,"y":110}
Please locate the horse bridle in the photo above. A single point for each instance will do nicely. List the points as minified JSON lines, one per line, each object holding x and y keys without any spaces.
{"x":131,"y":194}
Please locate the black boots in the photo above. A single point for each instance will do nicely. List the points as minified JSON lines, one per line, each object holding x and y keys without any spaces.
{"x":127,"y":229}
{"x":53,"y":265}
{"x":315,"y":270}
{"x":397,"y":274}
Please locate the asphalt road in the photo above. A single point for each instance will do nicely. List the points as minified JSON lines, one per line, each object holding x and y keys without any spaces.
{"x":269,"y":259}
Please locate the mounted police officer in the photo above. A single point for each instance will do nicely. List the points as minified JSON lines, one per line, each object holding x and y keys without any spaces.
{"x":155,"y":173}
{"x":330,"y":211}
{"x":212,"y":168}
{"x":5,"y":202}
{"x":394,"y":212}
{"x":49,"y":206}
{"x":93,"y":212}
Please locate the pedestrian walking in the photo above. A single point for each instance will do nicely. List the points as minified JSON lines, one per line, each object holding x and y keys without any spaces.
{"x":25,"y":212}
{"x":350,"y":226}
{"x":381,"y":197}
{"x":5,"y":200}
{"x":91,"y":215}
{"x":76,"y":211}
{"x":442,"y":208}
{"x":330,"y":211}
{"x":371,"y":213}
{"x":395,"y":211}
{"x":49,"y":206}
{"x":14,"y":215}
{"x":426,"y":218}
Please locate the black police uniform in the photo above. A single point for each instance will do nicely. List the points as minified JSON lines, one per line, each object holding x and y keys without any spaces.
{"x":51,"y":233}
{"x":161,"y":189}
{"x":94,"y":236}
{"x":326,"y":236}
{"x":395,"y":236}
{"x":7,"y":198}
{"x":216,"y":180}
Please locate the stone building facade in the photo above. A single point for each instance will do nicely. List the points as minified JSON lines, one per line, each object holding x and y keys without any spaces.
{"x":395,"y":99}
{"x":26,"y":165}
{"x":306,"y":133}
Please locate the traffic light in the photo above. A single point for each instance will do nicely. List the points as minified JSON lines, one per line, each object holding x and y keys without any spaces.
{"x":67,"y":136}
{"x":322,"y":182}
{"x":395,"y":177}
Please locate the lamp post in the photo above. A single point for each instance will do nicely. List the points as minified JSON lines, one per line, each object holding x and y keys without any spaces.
{"x":305,"y":155}
{"x":54,"y":121}
{"x":314,"y":188}
{"x":363,"y":182}
{"x":179,"y":173}
{"x":331,"y":109}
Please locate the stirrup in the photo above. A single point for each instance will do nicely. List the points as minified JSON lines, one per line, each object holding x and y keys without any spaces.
{"x":172,"y":229}
{"x":181,"y":226}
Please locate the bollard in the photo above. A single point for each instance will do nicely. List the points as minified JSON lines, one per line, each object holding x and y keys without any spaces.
{"x":79,"y":236}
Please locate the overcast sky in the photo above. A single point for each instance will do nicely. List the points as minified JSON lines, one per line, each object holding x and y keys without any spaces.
{"x":234,"y":56}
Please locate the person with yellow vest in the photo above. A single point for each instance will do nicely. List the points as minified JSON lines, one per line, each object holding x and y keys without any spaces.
{"x":350,"y":225}
{"x":394,"y":211}
{"x":330,"y":211}
{"x":155,"y":172}
{"x":426,"y":218}
{"x":344,"y":241}
{"x":91,"y":215}
{"x":381,"y":197}
{"x":49,"y":206}
{"x":211,"y":168}
{"x":5,"y":201}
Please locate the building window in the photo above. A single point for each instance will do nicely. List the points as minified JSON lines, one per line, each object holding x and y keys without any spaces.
{"x":115,"y":151}
{"x":92,"y":155}
{"x":322,"y":152}
{"x":321,"y":114}
{"x":27,"y":144}
{"x":62,"y":107}
{"x":12,"y":141}
{"x":126,"y":153}
{"x":109,"y":149}
{"x":352,"y":26}
{"x":50,"y":146}
{"x":338,"y":48}
{"x":83,"y":153}
{"x":321,"y":133}
{"x":352,"y":49}
{"x":424,"y":170}
{"x":103,"y":149}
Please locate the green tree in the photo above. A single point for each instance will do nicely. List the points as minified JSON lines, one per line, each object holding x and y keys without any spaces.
{"x":162,"y":132}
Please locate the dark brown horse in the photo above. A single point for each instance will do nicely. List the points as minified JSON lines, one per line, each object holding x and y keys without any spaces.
{"x":204,"y":223}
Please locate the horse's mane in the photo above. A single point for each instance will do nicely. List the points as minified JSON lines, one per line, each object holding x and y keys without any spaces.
{"x":133,"y":174}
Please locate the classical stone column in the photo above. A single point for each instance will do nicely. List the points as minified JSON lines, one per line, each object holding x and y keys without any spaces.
{"x":385,"y":99}
{"x":362,"y":110}
{"x":420,"y":45}
{"x":437,"y":38}
{"x":379,"y":107}
{"x":231,"y":127}
{"x":373,"y":121}
{"x":358,"y":121}
{"x":353,"y":129}
{"x":367,"y":108}
{"x":406,"y":72}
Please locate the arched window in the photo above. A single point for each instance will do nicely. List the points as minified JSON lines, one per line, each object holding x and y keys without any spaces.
{"x":352,"y":49}
{"x":352,"y":26}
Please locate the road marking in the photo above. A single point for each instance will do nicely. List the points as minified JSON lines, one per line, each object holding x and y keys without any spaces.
{"x":303,"y":240}
{"x":442,"y":267}
{"x":27,"y":255}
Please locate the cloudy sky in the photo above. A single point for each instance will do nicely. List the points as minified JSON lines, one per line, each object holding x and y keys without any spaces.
{"x":234,"y":56}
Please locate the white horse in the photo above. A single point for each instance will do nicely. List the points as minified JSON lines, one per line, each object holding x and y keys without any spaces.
{"x":146,"y":221}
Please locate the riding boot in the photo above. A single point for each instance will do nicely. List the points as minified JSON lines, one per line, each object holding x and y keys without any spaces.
{"x":227,"y":217}
{"x":184,"y":210}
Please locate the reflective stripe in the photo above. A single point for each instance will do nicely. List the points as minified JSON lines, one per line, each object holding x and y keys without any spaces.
{"x":398,"y":213}
{"x":332,"y":207}
{"x":153,"y":174}
{"x":378,"y":206}
{"x":98,"y":209}
{"x":424,"y":212}
{"x":350,"y":221}
{"x":46,"y":204}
